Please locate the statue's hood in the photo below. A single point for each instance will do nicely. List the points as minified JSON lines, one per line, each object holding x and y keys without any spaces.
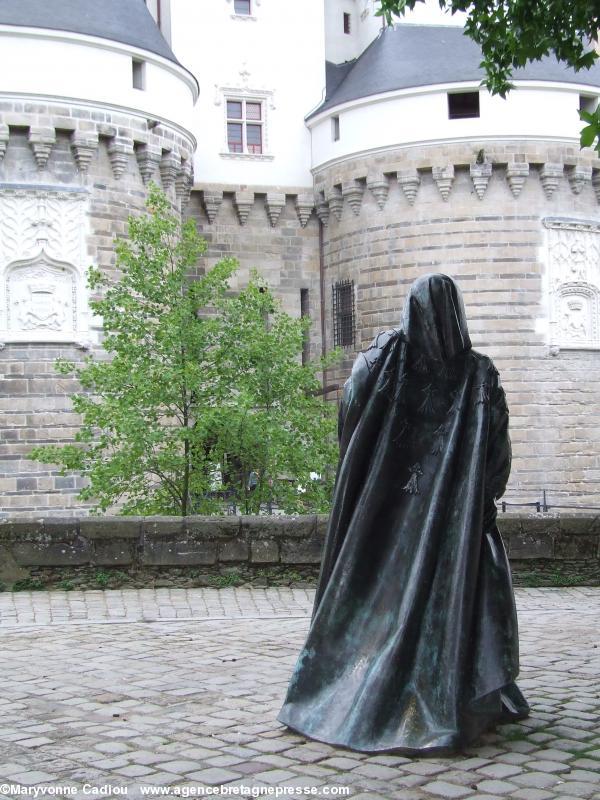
{"x":434,"y":320}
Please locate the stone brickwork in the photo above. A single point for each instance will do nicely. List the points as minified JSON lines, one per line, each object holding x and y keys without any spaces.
{"x":70,"y":176}
{"x":271,"y":229}
{"x":516,"y":224}
{"x":538,"y":544}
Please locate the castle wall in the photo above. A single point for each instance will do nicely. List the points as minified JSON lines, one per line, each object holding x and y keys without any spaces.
{"x":274,"y":230}
{"x":70,"y":175}
{"x":521,"y":235}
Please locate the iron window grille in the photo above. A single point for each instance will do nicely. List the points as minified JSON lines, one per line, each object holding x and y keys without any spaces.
{"x":343,"y":314}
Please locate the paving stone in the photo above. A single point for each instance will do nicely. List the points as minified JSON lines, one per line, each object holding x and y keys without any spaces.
{"x":341,"y":763}
{"x":533,"y":794}
{"x":198,"y":702}
{"x":33,"y":777}
{"x":496,"y":787}
{"x":584,"y":775}
{"x":446,"y":790}
{"x":548,"y":766}
{"x":537,"y":780}
{"x":499,"y":770}
{"x":274,"y":776}
{"x":581,"y":789}
{"x":213,"y":776}
{"x":425,"y":768}
{"x":377,"y":771}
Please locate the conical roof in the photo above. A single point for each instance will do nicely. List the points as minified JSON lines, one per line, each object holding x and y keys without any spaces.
{"x":408,"y":55}
{"x":125,"y":21}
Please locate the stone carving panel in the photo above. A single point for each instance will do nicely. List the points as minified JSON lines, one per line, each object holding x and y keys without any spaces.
{"x":41,"y":296}
{"x":574,"y":282}
{"x":42,"y":260}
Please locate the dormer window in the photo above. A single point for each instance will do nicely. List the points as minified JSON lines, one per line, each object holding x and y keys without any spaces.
{"x":242,"y":7}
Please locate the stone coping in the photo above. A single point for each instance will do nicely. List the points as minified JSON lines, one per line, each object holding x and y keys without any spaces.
{"x":252,"y":540}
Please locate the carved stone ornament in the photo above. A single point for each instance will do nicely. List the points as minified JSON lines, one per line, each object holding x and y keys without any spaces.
{"x":42,"y":253}
{"x":380,"y":188}
{"x":574,"y":282}
{"x":304,"y":207}
{"x":41,"y":295}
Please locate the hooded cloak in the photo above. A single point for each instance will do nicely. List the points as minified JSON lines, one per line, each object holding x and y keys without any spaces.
{"x":413,"y":644}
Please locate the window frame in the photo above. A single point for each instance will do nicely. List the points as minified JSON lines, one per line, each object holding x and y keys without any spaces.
{"x":343,"y":313}
{"x":335,"y":128}
{"x":243,"y":13}
{"x":454,"y":115}
{"x":138,"y":74}
{"x":244,"y":121}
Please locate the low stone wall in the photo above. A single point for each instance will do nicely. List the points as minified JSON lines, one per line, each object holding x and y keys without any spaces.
{"x":543,"y":548}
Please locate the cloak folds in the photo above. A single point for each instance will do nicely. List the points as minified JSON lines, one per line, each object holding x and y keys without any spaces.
{"x":413,"y":644}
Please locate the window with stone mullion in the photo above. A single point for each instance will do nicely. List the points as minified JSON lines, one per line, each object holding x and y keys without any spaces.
{"x":244,"y":126}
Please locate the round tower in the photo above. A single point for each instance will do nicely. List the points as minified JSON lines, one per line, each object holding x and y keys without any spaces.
{"x":418,"y":169}
{"x":93,"y":106}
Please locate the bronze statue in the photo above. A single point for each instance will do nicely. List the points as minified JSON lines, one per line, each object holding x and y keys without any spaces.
{"x":413,"y":645}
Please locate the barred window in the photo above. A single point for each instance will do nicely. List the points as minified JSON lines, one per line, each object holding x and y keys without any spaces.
{"x":343,"y":313}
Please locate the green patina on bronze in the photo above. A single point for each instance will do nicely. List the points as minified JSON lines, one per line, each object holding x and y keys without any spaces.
{"x":413,"y":644}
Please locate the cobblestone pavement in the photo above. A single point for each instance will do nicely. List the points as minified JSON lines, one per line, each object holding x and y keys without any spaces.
{"x":184,"y":692}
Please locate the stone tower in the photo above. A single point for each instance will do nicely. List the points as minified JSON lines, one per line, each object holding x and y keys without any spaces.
{"x":417,"y":170}
{"x":93,"y":105}
{"x":340,"y":159}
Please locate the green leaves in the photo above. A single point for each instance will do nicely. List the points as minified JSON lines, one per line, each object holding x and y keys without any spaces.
{"x":201,"y":392}
{"x":591,"y":132}
{"x":274,"y":433}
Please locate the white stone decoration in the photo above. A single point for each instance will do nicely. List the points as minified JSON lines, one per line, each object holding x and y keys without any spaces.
{"x":41,"y":295}
{"x":574,"y":283}
{"x":42,"y":267}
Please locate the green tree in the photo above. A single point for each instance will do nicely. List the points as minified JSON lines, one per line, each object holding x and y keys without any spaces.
{"x":512,"y":33}
{"x":275,"y":433}
{"x":147,"y":409}
{"x":200,"y":391}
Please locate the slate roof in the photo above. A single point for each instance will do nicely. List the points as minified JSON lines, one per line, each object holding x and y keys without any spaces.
{"x":408,"y":55}
{"x":126,"y":21}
